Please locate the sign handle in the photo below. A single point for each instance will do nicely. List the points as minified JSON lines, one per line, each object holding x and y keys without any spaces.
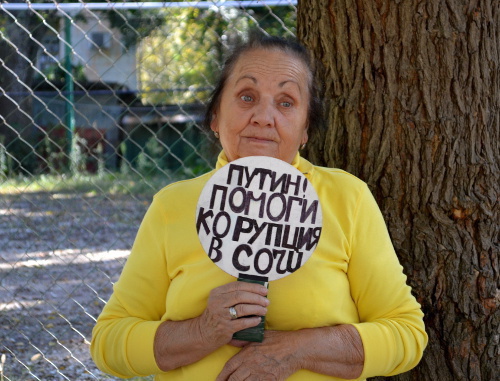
{"x":255,"y":334}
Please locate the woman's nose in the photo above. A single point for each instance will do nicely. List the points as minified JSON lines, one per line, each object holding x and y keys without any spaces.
{"x":264,"y":114}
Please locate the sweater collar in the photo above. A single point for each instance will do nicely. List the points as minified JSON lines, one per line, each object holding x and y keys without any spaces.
{"x":298,"y":162}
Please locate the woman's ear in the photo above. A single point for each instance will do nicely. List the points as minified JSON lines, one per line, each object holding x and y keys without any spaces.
{"x":214,"y":124}
{"x":305,"y":136}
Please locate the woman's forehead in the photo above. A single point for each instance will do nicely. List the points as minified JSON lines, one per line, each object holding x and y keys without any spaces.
{"x":269,"y":63}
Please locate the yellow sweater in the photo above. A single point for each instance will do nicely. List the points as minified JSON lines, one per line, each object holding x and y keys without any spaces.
{"x":352,"y":277}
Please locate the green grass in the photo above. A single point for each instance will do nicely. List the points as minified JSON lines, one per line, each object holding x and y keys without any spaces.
{"x":109,"y":183}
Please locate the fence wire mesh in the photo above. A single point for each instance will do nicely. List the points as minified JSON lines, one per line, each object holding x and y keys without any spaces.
{"x":100,"y":106}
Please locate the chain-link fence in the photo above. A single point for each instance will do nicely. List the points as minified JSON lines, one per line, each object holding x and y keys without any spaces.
{"x":100,"y":106}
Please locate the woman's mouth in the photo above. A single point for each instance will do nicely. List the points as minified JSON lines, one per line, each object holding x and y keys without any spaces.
{"x":259,"y":139}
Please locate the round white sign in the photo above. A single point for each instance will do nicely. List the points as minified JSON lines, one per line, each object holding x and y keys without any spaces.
{"x":259,"y":218}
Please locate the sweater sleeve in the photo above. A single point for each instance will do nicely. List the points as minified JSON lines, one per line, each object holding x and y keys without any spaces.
{"x":391,"y":321}
{"x":123,"y":337}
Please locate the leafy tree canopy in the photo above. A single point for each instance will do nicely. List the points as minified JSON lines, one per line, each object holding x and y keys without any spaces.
{"x":180,"y":60}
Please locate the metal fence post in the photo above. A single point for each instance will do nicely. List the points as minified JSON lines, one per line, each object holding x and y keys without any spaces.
{"x":69,"y":90}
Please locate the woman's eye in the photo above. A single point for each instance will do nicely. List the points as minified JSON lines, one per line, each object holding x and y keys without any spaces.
{"x":286,"y":104}
{"x":246,"y":98}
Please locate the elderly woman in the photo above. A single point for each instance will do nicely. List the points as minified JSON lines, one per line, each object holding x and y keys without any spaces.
{"x":347,"y":313}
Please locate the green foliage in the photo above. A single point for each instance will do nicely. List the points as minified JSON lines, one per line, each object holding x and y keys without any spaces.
{"x":276,"y":21}
{"x":109,"y":183}
{"x":3,"y":158}
{"x":180,"y":60}
{"x":46,"y":153}
{"x":56,"y":74}
{"x":53,"y":150}
{"x":180,"y":57}
{"x":17,"y":156}
{"x":133,"y":24}
{"x":3,"y":23}
{"x":149,"y":159}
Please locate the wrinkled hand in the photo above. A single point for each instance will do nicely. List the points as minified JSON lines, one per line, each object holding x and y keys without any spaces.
{"x":273,"y":359}
{"x":216,"y":326}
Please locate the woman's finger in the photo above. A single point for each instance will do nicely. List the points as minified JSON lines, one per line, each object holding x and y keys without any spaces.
{"x":240,"y":293}
{"x":249,"y":309}
{"x":254,"y":288}
{"x":232,"y":308}
{"x":243,"y":323}
{"x":230,"y":367}
{"x":239,"y":343}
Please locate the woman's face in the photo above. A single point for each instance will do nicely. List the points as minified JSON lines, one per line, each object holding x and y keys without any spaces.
{"x":264,"y":106}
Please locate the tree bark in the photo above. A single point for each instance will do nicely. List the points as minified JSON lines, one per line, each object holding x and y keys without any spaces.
{"x":413,"y":91}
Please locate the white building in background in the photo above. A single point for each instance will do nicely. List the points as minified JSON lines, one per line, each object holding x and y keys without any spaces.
{"x":101,"y":51}
{"x":97,"y":47}
{"x":109,"y":68}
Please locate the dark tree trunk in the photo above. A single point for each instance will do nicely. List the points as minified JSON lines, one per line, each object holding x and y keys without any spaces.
{"x":414,"y":110}
{"x":16,"y":72}
{"x":23,"y":33}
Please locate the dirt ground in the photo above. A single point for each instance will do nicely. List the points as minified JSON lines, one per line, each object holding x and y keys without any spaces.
{"x":59,"y":256}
